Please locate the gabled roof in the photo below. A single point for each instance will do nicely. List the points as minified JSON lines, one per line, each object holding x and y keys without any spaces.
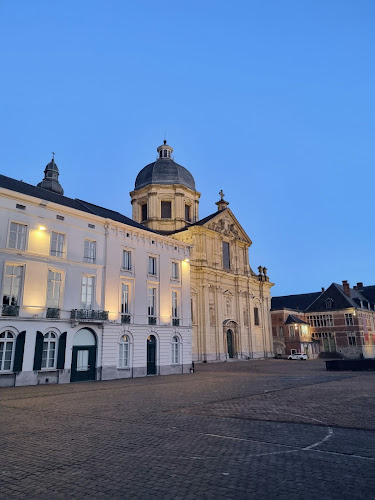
{"x":297,"y":302}
{"x":83,"y":206}
{"x":340,"y":300}
{"x":293,"y":319}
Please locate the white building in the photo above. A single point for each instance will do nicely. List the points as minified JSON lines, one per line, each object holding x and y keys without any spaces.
{"x":87,"y":293}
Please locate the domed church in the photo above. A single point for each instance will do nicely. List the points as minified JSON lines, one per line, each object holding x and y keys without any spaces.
{"x":230,"y":302}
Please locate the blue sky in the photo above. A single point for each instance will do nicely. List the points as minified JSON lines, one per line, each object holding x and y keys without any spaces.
{"x":271,"y":101}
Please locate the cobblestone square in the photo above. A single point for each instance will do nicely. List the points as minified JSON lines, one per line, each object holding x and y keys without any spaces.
{"x":251,"y":429}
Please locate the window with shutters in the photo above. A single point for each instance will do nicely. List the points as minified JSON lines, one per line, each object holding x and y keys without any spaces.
{"x":175,"y":350}
{"x":49,"y":350}
{"x":87,"y":291}
{"x":12,"y":285}
{"x":256,"y":316}
{"x":166,"y":209}
{"x":7,"y":344}
{"x":124,"y":352}
{"x":17,"y":236}
{"x":226,"y":255}
{"x":144,"y":211}
{"x":89,"y":254}
{"x":53,"y":289}
{"x":57,"y":244}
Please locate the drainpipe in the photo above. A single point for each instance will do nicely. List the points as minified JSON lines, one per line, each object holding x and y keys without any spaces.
{"x":104,"y":283}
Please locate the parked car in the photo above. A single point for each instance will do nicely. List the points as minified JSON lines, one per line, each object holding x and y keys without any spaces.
{"x":297,"y":355}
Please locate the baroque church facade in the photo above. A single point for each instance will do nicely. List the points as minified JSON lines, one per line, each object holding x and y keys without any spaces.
{"x":230,"y":303}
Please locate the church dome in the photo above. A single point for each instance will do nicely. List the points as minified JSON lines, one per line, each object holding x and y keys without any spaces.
{"x":51,"y":178}
{"x":164,"y":171}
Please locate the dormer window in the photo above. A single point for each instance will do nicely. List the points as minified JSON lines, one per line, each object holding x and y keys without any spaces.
{"x":328,"y":303}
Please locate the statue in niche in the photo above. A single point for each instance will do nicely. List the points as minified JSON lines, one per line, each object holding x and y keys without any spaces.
{"x":228,"y":306}
{"x":212,"y":314}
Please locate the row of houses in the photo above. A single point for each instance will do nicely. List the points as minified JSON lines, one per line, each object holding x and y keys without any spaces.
{"x":337,"y":320}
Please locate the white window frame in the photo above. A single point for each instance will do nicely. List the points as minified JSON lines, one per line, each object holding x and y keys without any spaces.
{"x":127,"y":260}
{"x":21,"y":278}
{"x":175,"y":303}
{"x":352,"y":335}
{"x":89,"y":251}
{"x":49,"y":338}
{"x":292,"y":332}
{"x":86,"y":286}
{"x":5,"y":341}
{"x":59,"y":249}
{"x":152,"y":302}
{"x":176,"y":350}
{"x":125,"y":298}
{"x":124,"y":352}
{"x":20,"y":236}
{"x":349,"y":319}
{"x":152,"y":265}
{"x":175,"y":270}
{"x":54,"y":303}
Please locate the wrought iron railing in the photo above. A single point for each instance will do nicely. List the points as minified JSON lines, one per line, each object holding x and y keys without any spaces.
{"x":10,"y":310}
{"x":88,"y":315}
{"x":125,"y":318}
{"x":53,"y":312}
{"x":175,"y":322}
{"x":151,"y":320}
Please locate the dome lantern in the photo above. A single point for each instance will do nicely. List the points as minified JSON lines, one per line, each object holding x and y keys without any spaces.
{"x":164,"y":150}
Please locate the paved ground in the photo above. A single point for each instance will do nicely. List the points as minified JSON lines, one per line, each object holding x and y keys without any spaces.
{"x":252,"y":429}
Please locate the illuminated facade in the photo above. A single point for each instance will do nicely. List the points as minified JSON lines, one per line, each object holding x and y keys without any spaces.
{"x":230,"y":302}
{"x":86,"y":292}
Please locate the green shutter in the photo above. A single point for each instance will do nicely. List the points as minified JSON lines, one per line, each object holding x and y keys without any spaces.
{"x":18,"y":355}
{"x":38,"y":351}
{"x":61,"y":352}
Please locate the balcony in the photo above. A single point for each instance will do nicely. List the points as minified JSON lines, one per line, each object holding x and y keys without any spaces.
{"x":10,"y":310}
{"x":53,"y":312}
{"x":151,"y":320}
{"x":88,"y":315}
{"x":175,"y":322}
{"x":125,"y":318}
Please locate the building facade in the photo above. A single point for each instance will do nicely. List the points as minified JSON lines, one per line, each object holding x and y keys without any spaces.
{"x":230,"y":302}
{"x":87,"y":293}
{"x":339,"y":320}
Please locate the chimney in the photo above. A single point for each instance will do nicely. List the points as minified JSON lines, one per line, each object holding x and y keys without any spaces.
{"x":360,"y":286}
{"x":346,"y":286}
{"x":323,"y":289}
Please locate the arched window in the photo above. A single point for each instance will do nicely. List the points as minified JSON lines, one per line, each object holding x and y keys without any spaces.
{"x":7,"y":342}
{"x":49,"y":350}
{"x":175,"y":351}
{"x":124,"y":357}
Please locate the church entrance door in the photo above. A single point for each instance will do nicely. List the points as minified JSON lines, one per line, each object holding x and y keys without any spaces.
{"x":230,"y":343}
{"x":151,"y":355}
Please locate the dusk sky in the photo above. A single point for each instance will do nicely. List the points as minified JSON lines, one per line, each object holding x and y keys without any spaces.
{"x":272,"y":101}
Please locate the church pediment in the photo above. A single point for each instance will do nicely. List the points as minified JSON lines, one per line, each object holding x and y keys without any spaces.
{"x":225,"y":223}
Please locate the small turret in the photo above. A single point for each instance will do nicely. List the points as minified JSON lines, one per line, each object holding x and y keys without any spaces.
{"x":51,"y":178}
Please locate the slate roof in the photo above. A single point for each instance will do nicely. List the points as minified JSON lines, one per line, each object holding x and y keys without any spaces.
{"x":310,"y":302}
{"x":293,"y":319}
{"x":164,"y":171}
{"x":297,"y":302}
{"x":83,"y":206}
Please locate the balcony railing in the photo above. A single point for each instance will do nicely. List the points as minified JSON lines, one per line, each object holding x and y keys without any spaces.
{"x":151,"y":320}
{"x":175,"y":322}
{"x":9,"y":310}
{"x":53,"y":312}
{"x":125,"y":318}
{"x":88,"y":315}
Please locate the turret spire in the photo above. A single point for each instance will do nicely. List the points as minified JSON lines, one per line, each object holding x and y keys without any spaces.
{"x":51,"y":178}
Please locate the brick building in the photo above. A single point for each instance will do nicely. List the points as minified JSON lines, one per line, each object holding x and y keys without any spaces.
{"x":340,"y":320}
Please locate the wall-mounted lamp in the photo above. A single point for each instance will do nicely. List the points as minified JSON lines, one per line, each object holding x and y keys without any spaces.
{"x":42,"y":228}
{"x":186,"y":259}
